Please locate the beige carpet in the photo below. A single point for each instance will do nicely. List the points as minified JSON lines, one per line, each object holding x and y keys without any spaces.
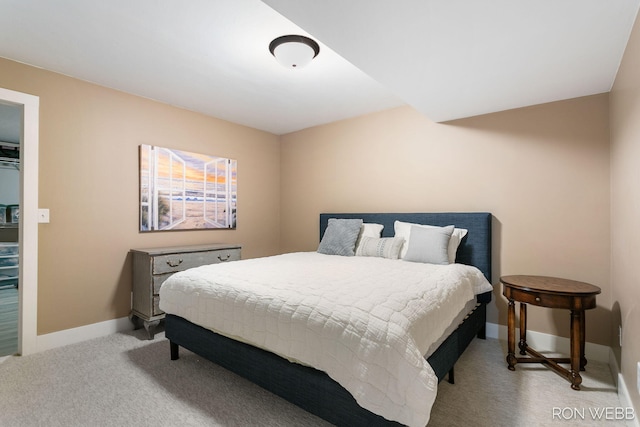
{"x":124,"y":380}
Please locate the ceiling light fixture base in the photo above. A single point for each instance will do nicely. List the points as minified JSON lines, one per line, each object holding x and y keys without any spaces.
{"x":294,"y":51}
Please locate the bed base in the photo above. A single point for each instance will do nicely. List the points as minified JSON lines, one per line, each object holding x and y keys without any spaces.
{"x":308,"y":388}
{"x":314,"y":390}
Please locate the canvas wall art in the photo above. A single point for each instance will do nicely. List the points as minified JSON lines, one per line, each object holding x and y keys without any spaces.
{"x":180,"y":190}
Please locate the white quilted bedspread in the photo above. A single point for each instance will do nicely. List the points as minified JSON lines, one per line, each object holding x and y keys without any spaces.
{"x":365,"y":321}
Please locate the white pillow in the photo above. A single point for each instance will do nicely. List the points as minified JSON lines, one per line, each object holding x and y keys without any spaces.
{"x":403,"y":229}
{"x":369,"y":230}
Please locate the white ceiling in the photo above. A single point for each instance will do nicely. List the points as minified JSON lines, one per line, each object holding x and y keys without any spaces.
{"x":453,"y":58}
{"x":448,"y":59}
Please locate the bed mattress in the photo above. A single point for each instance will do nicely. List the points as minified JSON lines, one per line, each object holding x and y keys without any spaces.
{"x":366,"y":322}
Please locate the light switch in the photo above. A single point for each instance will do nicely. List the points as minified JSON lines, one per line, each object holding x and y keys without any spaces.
{"x":43,"y":216}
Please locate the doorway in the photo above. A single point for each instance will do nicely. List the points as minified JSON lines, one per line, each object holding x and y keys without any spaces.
{"x":27,"y":107}
{"x":10,"y":132}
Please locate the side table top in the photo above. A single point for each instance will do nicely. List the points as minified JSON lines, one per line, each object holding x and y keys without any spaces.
{"x":551,"y":285}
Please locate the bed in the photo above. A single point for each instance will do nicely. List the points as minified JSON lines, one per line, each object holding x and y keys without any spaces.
{"x":313,"y":389}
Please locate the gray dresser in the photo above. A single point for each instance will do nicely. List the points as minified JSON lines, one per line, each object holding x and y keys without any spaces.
{"x":151,"y":267}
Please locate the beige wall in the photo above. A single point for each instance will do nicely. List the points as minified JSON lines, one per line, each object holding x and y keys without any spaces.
{"x":88,"y":178}
{"x":625,"y":211}
{"x":542,"y":171}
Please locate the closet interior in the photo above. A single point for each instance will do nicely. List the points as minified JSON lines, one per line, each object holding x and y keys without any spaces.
{"x":10,"y":123}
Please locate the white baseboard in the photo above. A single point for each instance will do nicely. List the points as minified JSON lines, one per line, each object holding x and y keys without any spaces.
{"x":625,"y":401}
{"x":82,"y":333}
{"x":623,"y":391}
{"x":613,"y":367}
{"x":550,"y":343}
{"x":538,"y":340}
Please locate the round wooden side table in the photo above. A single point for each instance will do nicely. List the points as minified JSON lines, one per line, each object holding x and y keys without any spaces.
{"x":549,"y":292}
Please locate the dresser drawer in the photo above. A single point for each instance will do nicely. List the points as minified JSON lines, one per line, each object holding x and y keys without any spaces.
{"x":158,"y":280}
{"x":178,"y":262}
{"x":156,"y":306}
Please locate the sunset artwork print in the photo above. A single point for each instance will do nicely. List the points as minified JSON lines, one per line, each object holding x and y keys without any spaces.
{"x":180,"y":190}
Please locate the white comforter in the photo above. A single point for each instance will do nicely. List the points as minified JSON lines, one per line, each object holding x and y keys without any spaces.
{"x":365,"y":321}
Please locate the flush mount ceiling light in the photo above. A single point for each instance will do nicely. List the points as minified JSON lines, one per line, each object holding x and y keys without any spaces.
{"x":294,"y":51}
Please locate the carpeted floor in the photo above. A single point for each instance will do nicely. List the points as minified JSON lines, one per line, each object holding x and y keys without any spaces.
{"x":486,"y":393}
{"x":125,"y":380}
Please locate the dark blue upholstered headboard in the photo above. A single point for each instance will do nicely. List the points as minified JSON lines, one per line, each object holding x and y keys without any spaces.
{"x":475,"y":248}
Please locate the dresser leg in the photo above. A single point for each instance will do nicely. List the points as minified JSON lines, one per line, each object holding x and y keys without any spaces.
{"x":137,"y":323}
{"x":149,"y":326}
{"x":511,"y":336}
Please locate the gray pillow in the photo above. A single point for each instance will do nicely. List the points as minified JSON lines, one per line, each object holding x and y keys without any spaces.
{"x":429,"y":245}
{"x":340,"y":237}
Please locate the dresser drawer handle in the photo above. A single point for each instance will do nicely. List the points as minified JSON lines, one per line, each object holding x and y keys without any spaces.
{"x":224,"y":259}
{"x":537,"y":299}
{"x":173,"y":263}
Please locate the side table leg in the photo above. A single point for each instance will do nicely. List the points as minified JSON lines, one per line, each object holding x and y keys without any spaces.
{"x":523,"y":329}
{"x":583,"y":359}
{"x":576,"y":347}
{"x":511,"y":341}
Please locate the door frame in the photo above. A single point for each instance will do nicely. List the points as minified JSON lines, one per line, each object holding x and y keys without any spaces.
{"x":28,"y":231}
